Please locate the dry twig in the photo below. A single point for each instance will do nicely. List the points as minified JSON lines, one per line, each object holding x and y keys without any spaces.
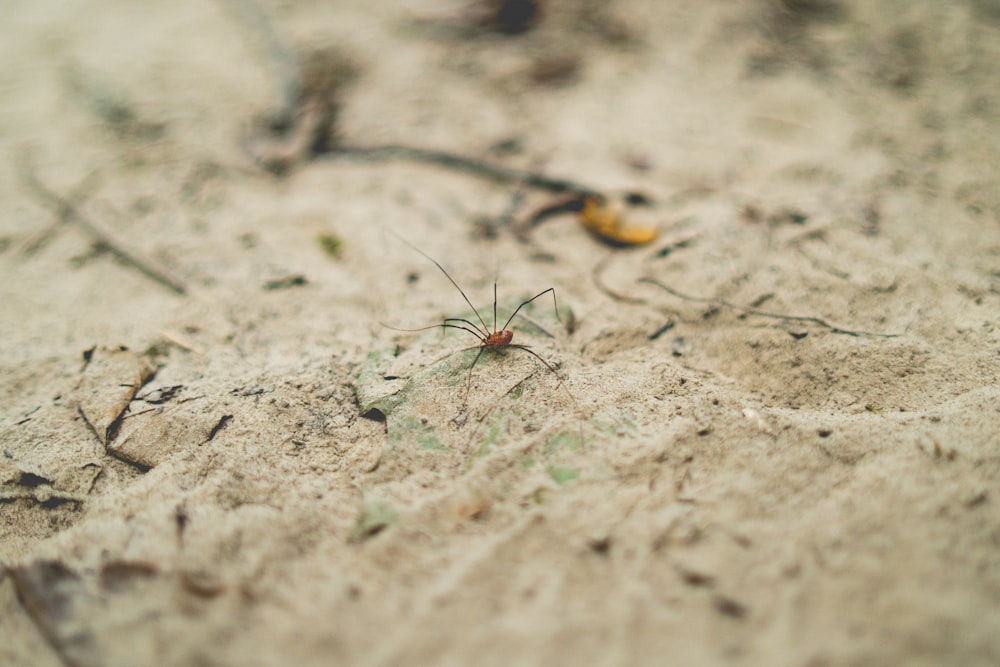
{"x":468,"y":165}
{"x":763,"y":313}
{"x":68,"y":211}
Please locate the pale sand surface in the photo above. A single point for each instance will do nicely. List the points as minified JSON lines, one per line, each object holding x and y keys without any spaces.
{"x":731,"y":489}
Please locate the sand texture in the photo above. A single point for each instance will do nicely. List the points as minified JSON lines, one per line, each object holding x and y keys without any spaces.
{"x":768,"y":436}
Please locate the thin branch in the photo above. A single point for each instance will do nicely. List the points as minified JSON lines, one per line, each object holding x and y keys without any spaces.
{"x":763,"y":313}
{"x":598,"y":277}
{"x":68,"y":210}
{"x":461,"y":163}
{"x":65,"y":214}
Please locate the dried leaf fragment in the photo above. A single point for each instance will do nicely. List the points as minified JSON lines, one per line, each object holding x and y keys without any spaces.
{"x":109,"y":382}
{"x":150,"y":438}
{"x":607,"y":223}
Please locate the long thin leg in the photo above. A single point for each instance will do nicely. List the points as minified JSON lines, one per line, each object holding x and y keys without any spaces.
{"x":475,"y":333}
{"x":451,"y":354}
{"x":486,"y":414}
{"x":495,"y":307}
{"x":468,"y":380}
{"x":486,"y":329}
{"x":555,"y":305}
{"x":551,"y":368}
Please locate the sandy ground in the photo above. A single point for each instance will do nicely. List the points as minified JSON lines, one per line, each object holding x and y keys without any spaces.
{"x":229,"y":460}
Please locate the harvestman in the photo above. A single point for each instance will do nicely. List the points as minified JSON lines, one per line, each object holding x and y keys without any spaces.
{"x":494,"y":340}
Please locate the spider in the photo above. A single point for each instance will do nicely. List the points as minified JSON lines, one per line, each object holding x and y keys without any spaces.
{"x":495,"y":340}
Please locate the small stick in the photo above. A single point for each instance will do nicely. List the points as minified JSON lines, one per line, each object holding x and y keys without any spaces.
{"x":763,"y":313}
{"x":179,"y":341}
{"x":68,"y":210}
{"x":288,"y":71}
{"x":76,"y":197}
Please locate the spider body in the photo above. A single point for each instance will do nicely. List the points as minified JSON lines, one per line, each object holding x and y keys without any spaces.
{"x":499,"y":339}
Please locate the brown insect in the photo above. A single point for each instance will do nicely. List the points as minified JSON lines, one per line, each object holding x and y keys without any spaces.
{"x":495,"y":340}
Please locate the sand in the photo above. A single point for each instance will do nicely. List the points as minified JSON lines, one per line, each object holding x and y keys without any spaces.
{"x":216,"y":452}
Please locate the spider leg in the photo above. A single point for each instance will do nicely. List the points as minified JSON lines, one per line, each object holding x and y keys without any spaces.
{"x":468,"y":380}
{"x":535,"y":355}
{"x":555,"y":306}
{"x":453,"y":353}
{"x":446,"y":275}
{"x":445,"y":325}
{"x":479,"y":333}
{"x":486,"y":414}
{"x":550,"y":367}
